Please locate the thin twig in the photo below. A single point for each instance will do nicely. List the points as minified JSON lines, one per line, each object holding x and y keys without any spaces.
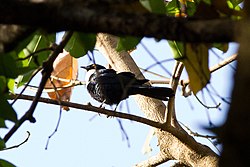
{"x":37,"y":51}
{"x":49,"y":89}
{"x":229,"y":59}
{"x":221,"y":64}
{"x":206,"y":109}
{"x":33,"y":75}
{"x":195,"y":134}
{"x":55,"y":130}
{"x":204,"y":105}
{"x":124,"y":133}
{"x":16,"y":146}
{"x":214,"y":68}
{"x":151,"y":72}
{"x":47,"y":70}
{"x":60,"y":113}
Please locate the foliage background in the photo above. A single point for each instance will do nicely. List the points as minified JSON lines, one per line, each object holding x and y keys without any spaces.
{"x":81,"y":142}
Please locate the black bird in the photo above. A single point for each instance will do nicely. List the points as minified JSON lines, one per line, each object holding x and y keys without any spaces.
{"x":108,"y":86}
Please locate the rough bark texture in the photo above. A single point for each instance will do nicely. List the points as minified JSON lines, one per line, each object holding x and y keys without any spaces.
{"x":191,"y":153}
{"x":88,"y":16}
{"x":10,"y":35}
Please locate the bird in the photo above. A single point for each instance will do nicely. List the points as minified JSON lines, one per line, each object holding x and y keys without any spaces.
{"x":110,"y":87}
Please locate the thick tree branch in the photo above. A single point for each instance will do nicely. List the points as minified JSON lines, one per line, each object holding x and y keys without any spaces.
{"x":189,"y":151}
{"x":10,"y":35}
{"x":235,"y":132}
{"x":60,"y":16}
{"x":158,"y":159}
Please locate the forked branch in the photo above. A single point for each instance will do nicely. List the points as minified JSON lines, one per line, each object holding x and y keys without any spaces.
{"x":47,"y":70}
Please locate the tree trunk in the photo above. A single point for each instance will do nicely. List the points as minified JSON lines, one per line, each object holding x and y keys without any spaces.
{"x":191,"y":153}
{"x":235,"y":132}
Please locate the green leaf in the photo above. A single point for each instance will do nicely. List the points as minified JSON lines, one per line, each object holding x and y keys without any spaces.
{"x":22,"y":79}
{"x":80,"y":44}
{"x":154,"y":6}
{"x":195,"y":60}
{"x":221,"y":46}
{"x":191,"y":8}
{"x":22,"y":44}
{"x":39,"y":41}
{"x":196,"y":64}
{"x":177,"y":49}
{"x":207,"y":2}
{"x":4,"y":163}
{"x":8,"y":66}
{"x":127,"y":43}
{"x":45,"y":42}
{"x":2,"y":143}
{"x":6,"y":111}
{"x":172,"y":7}
{"x":234,"y":3}
{"x":11,"y":84}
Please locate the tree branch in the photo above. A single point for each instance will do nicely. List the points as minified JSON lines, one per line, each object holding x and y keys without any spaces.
{"x":170,"y":116}
{"x":47,"y":69}
{"x":189,"y":151}
{"x":109,"y":113}
{"x":153,"y":161}
{"x":183,"y":137}
{"x":18,"y":145}
{"x":98,"y":18}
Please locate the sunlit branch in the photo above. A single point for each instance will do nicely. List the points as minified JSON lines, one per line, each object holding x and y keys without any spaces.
{"x":223,"y":63}
{"x":170,"y":116}
{"x":154,"y":160}
{"x":214,"y":68}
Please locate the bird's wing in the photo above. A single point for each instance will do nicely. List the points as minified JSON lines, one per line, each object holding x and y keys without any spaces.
{"x":127,"y":77}
{"x":106,"y":71}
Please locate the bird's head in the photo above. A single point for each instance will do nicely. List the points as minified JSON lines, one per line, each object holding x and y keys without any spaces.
{"x":91,"y":69}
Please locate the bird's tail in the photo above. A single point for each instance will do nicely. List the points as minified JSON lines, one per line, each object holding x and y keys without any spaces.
{"x":160,"y":93}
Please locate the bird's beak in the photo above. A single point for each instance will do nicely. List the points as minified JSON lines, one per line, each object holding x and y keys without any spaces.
{"x":84,"y":67}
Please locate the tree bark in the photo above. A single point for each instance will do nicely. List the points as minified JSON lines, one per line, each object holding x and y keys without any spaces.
{"x":87,"y":17}
{"x":235,"y":132}
{"x":191,"y":153}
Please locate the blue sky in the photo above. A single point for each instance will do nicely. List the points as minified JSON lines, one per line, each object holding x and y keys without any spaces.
{"x":81,"y":142}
